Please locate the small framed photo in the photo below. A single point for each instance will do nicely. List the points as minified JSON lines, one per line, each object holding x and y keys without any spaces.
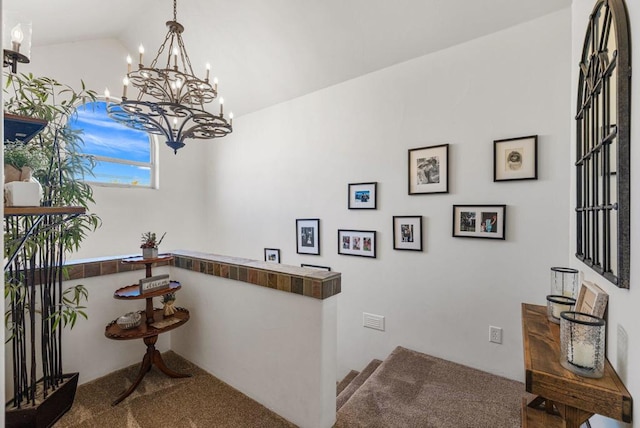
{"x":308,"y":236}
{"x":357,"y":243}
{"x":429,"y":170}
{"x":325,"y":268}
{"x":515,"y":159}
{"x":591,"y":300}
{"x":272,"y":255}
{"x":479,"y":221}
{"x":407,"y":232}
{"x":362,"y":196}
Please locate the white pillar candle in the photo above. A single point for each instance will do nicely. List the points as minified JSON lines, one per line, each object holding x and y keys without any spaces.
{"x":582,"y":354}
{"x":556,"y":308}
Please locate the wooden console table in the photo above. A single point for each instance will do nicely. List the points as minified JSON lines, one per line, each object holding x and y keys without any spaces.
{"x":146,"y":330}
{"x":564,"y":399}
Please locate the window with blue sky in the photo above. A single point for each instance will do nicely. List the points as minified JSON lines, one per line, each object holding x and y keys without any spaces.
{"x":124,"y":156}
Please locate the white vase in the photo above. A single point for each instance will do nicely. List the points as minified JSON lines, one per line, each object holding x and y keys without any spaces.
{"x":149,"y":253}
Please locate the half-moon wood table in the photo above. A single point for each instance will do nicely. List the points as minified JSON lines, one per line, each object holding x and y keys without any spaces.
{"x":154,"y":323}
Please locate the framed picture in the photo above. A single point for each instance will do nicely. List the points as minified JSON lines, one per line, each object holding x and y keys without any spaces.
{"x":515,"y":159}
{"x":308,"y":236}
{"x":479,"y":221}
{"x":357,"y":243}
{"x":591,"y":300}
{"x":272,"y":255}
{"x":327,"y":268}
{"x":362,"y":196}
{"x":429,"y":170}
{"x":407,"y":232}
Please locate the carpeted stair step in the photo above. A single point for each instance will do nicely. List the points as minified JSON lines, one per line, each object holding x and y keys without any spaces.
{"x":346,"y":381}
{"x":411,"y":389}
{"x":357,"y":381}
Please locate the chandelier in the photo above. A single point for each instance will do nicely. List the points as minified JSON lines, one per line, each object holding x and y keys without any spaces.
{"x":171,"y":100}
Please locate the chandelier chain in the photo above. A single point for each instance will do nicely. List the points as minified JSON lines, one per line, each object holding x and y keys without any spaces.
{"x":175,"y":10}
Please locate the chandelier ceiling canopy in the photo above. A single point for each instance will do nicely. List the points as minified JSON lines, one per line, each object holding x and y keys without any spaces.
{"x":171,"y":99}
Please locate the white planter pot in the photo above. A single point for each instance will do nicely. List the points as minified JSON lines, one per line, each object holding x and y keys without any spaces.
{"x":149,"y":253}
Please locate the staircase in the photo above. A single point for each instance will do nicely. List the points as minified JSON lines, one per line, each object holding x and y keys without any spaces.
{"x":411,"y":389}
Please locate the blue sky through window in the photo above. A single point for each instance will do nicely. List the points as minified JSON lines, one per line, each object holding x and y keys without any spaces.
{"x":108,"y":141}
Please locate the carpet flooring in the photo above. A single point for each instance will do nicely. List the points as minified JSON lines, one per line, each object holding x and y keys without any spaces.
{"x":407,"y":390}
{"x":201,"y":401}
{"x":410,"y":389}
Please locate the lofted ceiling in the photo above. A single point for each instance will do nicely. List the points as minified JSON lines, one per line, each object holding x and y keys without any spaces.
{"x":268,"y":51}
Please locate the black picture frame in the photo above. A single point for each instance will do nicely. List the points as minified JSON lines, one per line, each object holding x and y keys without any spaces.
{"x":407,"y":232}
{"x":360,"y":243}
{"x":515,"y":159}
{"x":272,"y":255}
{"x":479,"y":221}
{"x":317,"y":267}
{"x":358,"y":192}
{"x":428,"y":170}
{"x":308,"y":236}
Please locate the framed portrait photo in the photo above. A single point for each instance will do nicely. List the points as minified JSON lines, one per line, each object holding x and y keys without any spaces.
{"x":308,"y":236}
{"x":479,"y":221}
{"x":362,"y":196}
{"x":515,"y":159}
{"x":316,"y":267}
{"x":272,"y":255}
{"x":357,"y":243}
{"x":407,"y":232}
{"x":592,"y":299}
{"x":429,"y":170}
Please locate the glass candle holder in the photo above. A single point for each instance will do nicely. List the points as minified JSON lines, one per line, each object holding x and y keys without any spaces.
{"x":556,"y":304}
{"x":564,"y":281}
{"x":582,"y":342}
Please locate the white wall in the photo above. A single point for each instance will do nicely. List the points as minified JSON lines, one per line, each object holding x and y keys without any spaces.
{"x":294,"y":160}
{"x":277,"y":348}
{"x":177,"y":207}
{"x":623,"y":304}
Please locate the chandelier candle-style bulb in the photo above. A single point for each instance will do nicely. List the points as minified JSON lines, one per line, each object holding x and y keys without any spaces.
{"x":125,"y":83}
{"x":215,"y":84}
{"x":175,"y":58}
{"x":129,"y":61}
{"x":221,"y":106}
{"x":107,"y":94}
{"x":141,"y":52}
{"x":230,"y":118}
{"x":208,"y":67}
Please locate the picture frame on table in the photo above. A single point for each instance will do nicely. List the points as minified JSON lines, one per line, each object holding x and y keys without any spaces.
{"x":272,"y":255}
{"x":308,"y":236}
{"x":362,"y":196}
{"x":429,"y":170}
{"x":591,"y":300}
{"x":515,"y":159}
{"x":360,"y":243}
{"x":325,"y":268}
{"x":479,"y":221}
{"x":407,"y":232}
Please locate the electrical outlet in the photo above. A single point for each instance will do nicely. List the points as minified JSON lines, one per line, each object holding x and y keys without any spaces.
{"x":495,"y":334}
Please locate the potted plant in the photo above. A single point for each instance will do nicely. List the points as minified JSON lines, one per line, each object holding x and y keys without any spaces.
{"x":36,"y":244}
{"x":168,"y":300}
{"x":21,"y":160}
{"x":150,"y":245}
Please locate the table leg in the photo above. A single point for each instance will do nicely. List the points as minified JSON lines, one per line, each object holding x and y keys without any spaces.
{"x":144,"y":369}
{"x":159,"y":362}
{"x":151,"y":357}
